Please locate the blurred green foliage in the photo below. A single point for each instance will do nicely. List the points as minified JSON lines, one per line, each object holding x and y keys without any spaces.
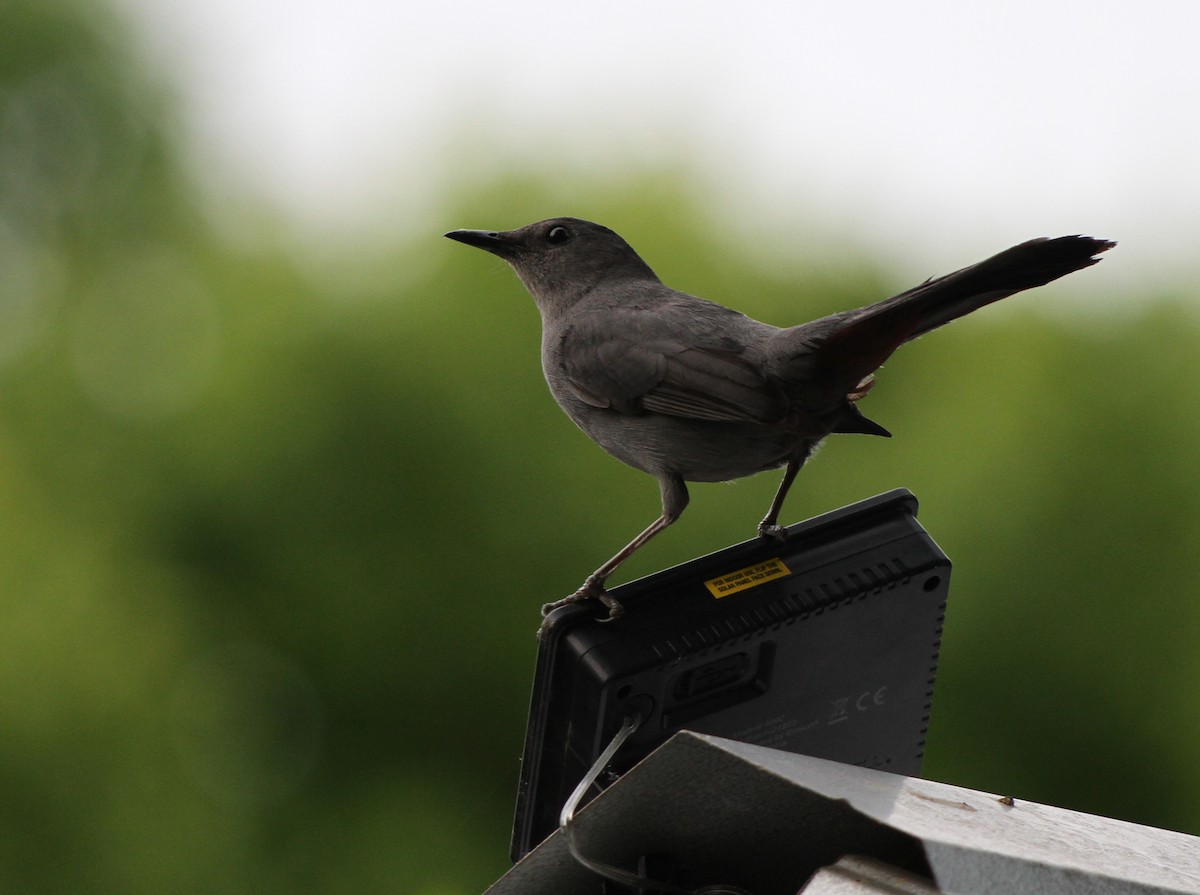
{"x":272,"y":554}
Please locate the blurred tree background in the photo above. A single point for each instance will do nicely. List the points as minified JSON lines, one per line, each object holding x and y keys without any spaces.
{"x":274,"y":543}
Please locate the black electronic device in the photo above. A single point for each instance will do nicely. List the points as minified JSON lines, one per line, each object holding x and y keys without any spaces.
{"x":824,"y":644}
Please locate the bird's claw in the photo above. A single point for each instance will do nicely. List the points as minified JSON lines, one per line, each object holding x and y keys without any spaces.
{"x":615,"y":609}
{"x":591,"y":590}
{"x":587,"y":592}
{"x":547,"y":608}
{"x":771,"y":530}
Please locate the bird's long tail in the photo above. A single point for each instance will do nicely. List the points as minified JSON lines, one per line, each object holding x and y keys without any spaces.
{"x":839,"y":352}
{"x":1025,"y":266}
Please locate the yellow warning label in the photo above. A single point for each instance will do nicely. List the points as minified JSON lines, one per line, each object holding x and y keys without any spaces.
{"x":751,"y":576}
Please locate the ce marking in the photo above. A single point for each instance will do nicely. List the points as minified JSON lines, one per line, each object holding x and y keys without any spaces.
{"x":866,"y":699}
{"x":840,"y":708}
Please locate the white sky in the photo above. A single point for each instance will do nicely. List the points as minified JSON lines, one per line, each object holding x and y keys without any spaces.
{"x":933,"y":130}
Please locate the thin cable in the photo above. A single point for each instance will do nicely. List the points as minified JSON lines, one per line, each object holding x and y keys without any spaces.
{"x":608,"y":871}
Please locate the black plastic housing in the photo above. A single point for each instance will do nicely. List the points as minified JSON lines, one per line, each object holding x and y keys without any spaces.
{"x":825,"y":644}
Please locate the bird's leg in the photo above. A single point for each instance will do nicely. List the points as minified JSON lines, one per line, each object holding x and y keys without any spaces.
{"x":770,"y":527}
{"x":674,"y":499}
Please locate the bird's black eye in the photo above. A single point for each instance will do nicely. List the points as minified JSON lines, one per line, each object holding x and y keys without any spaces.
{"x":558,"y":235}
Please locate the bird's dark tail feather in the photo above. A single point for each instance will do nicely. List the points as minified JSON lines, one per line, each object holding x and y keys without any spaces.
{"x":832,"y":356}
{"x":1025,"y":266}
{"x":852,"y":345}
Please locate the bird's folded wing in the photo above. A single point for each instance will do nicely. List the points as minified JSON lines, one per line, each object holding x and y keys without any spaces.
{"x":711,"y":384}
{"x":662,"y":375}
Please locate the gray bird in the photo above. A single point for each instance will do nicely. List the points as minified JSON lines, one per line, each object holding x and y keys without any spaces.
{"x":691,"y":391}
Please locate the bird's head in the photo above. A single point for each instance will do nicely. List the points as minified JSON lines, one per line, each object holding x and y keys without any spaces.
{"x":561,"y":260}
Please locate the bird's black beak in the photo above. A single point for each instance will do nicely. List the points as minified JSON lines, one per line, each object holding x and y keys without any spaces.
{"x":497,"y":243}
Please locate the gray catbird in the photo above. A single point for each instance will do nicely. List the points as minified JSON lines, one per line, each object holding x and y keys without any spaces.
{"x":689,"y":390}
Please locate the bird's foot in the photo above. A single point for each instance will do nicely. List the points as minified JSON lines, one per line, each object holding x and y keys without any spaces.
{"x":592,"y":589}
{"x":772,"y":530}
{"x":577,"y":597}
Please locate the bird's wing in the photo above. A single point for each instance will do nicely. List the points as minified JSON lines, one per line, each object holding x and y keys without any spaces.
{"x":635,"y":364}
